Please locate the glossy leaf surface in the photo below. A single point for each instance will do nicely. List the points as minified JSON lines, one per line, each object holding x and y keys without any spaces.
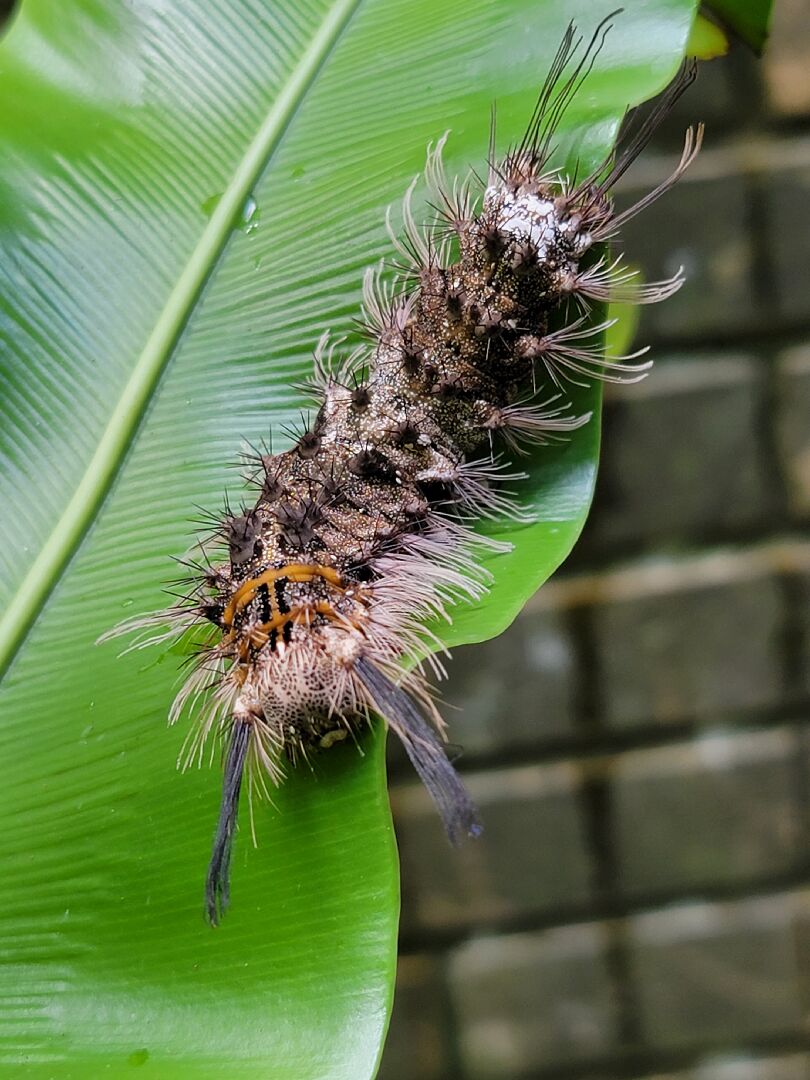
{"x":189,"y":192}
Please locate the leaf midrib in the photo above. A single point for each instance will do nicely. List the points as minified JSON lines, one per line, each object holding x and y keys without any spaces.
{"x":108,"y":457}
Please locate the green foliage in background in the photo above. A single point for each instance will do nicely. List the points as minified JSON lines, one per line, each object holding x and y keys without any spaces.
{"x":750,"y":20}
{"x":189,"y":193}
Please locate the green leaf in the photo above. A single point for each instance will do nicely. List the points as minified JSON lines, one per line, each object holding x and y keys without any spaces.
{"x":188,"y":195}
{"x":625,"y":317}
{"x":707,"y":40}
{"x":750,"y":20}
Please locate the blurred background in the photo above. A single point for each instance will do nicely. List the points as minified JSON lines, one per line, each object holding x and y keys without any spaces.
{"x":639,"y":740}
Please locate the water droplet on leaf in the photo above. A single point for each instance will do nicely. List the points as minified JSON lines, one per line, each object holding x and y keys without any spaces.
{"x":250,"y":217}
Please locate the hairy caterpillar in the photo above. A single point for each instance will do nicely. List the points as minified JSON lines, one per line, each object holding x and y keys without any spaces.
{"x":361,"y":530}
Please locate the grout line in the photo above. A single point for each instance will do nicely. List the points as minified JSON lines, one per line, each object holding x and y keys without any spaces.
{"x":660,"y":574}
{"x":441,"y":939}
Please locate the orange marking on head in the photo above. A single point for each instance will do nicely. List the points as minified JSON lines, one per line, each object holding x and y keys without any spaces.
{"x":297,"y":572}
{"x":260,"y":634}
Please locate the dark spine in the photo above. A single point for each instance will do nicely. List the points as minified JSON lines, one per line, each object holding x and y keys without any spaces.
{"x":217,"y":882}
{"x":422,"y":745}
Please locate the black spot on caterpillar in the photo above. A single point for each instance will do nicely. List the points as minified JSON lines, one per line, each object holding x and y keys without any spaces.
{"x":361,"y":531}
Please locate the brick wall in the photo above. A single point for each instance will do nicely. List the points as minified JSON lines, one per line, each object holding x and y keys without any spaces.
{"x":639,"y":741}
